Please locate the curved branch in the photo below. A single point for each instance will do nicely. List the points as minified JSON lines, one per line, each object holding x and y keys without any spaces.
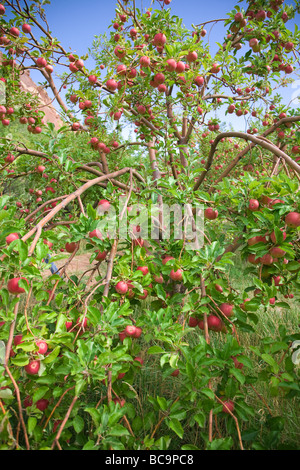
{"x":259,"y":140}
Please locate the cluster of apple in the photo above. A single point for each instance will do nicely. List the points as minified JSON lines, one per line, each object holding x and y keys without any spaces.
{"x":257,"y":41}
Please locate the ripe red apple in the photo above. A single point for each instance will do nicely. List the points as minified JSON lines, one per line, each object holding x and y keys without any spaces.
{"x":159,"y":39}
{"x":267,"y":259}
{"x":26,"y":28}
{"x":144,"y":295}
{"x":158,"y":278}
{"x":227,"y":309}
{"x":210,"y":213}
{"x":273,"y":236}
{"x":103,"y":205}
{"x":130,"y":330}
{"x":14,"y":32}
{"x":13,"y":286}
{"x":33,"y":367}
{"x":92,"y":79}
{"x":145,"y":61}
{"x":192,"y":56}
{"x":193,"y":322}
{"x":41,"y":62}
{"x":111,"y":84}
{"x":18,"y":339}
{"x":180,"y":67}
{"x":43,"y":346}
{"x":40,"y":169}
{"x":199,"y":80}
{"x":257,"y":239}
{"x":277,"y":252}
{"x":143,"y":269}
{"x":171,"y":65}
{"x":228,"y":406}
{"x":11,"y":237}
{"x":252,"y":259}
{"x":96,"y":234}
{"x":101,"y":255}
{"x":71,"y":247}
{"x":214,"y":323}
{"x":49,"y":68}
{"x":121,"y":287}
{"x":292,"y":219}
{"x":139,"y":359}
{"x":42,"y":404}
{"x":277,"y":280}
{"x":166,"y":259}
{"x":253,"y":204}
{"x":68,"y":325}
{"x":176,"y":275}
{"x":82,"y":322}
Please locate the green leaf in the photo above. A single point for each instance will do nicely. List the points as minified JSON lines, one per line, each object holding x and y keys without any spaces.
{"x":162,"y":403}
{"x":118,"y":430}
{"x":200,"y":418}
{"x":238,"y":375}
{"x":31,"y":424}
{"x":39,"y":393}
{"x":52,"y":356}
{"x":175,"y":425}
{"x":155,"y":350}
{"x":208,"y":393}
{"x":78,"y":424}
{"x":269,"y":360}
{"x":23,"y":250}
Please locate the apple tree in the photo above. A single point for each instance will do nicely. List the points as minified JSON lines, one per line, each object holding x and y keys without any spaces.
{"x":157,"y":343}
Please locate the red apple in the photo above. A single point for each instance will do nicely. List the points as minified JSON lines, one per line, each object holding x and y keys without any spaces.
{"x":101,"y":255}
{"x":253,"y":204}
{"x":193,"y":322}
{"x":166,"y":259}
{"x":210,"y":213}
{"x":143,"y":269}
{"x":176,"y":275}
{"x":103,"y":205}
{"x":121,"y":287}
{"x":42,"y":404}
{"x":26,"y":28}
{"x":130,"y":330}
{"x":11,"y":237}
{"x":227,"y":309}
{"x":43,"y":346}
{"x":273,"y":236}
{"x":214,"y":323}
{"x":228,"y":406}
{"x":33,"y":367}
{"x":71,"y":247}
{"x":13,"y":286}
{"x":293,"y":219}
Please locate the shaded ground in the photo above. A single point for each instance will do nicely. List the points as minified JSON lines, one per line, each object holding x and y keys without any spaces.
{"x":77,"y":266}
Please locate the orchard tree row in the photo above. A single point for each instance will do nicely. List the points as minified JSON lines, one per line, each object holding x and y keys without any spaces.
{"x":78,"y":351}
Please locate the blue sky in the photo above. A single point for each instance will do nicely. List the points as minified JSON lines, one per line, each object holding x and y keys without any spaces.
{"x":76,"y":22}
